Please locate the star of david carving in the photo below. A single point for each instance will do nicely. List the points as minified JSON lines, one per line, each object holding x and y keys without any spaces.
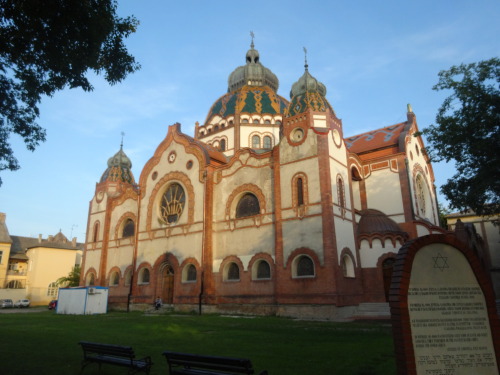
{"x":440,"y":262}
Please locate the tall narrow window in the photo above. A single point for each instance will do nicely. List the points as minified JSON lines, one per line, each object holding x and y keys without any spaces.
{"x":223,"y":145}
{"x":128,"y":228}
{"x":341,"y":194}
{"x":247,"y":206}
{"x":144,"y":278}
{"x":95,"y":235}
{"x":267,"y":142}
{"x":1,"y":256}
{"x":255,"y":141}
{"x":300,"y":192}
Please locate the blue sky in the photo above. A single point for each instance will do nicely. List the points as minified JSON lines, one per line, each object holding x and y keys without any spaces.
{"x":373,"y":56}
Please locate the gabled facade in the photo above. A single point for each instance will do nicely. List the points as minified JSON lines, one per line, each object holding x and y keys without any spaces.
{"x":30,"y":267}
{"x":268,"y":209}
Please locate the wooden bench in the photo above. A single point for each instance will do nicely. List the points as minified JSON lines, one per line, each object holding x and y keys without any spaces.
{"x":113,"y":355}
{"x":194,"y":364}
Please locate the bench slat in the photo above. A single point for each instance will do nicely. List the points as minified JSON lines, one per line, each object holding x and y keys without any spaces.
{"x":193,"y":364}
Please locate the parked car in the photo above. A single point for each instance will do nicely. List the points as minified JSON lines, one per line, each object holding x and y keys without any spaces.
{"x":52,"y":304}
{"x":6,"y":303}
{"x":22,"y":303}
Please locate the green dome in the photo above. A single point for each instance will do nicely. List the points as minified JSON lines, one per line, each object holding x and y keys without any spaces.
{"x":119,"y":168}
{"x":248,"y":99}
{"x":308,"y":93}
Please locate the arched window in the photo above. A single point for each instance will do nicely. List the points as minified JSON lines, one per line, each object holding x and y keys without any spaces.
{"x":52,"y":289}
{"x":347,"y":266}
{"x":144,"y":276}
{"x":172,"y":203}
{"x":128,"y":228}
{"x":305,"y":266}
{"x":340,"y":191}
{"x":256,"y":121}
{"x":263,"y":270}
{"x":421,"y":193}
{"x":114,"y":279}
{"x":223,"y":145}
{"x":90,"y":279}
{"x":255,"y":141}
{"x":267,"y":122}
{"x":189,"y":273}
{"x":268,"y":142}
{"x":247,"y":206}
{"x":244,"y":121}
{"x":95,"y":235}
{"x":233,"y":272}
{"x":216,"y":127}
{"x":300,"y":192}
{"x":355,"y":174}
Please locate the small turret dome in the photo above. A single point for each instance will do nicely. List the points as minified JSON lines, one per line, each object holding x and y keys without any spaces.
{"x":119,"y":168}
{"x":308,"y":93}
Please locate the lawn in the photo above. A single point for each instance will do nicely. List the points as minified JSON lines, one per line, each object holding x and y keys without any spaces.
{"x":46,"y":343}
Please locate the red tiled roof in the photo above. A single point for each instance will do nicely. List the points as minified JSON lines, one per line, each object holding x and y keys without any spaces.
{"x":375,"y":139}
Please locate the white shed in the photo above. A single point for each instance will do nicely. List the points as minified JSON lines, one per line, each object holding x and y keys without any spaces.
{"x":83,"y":300}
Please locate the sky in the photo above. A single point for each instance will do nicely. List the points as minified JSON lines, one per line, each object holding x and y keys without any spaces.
{"x":374,"y":57}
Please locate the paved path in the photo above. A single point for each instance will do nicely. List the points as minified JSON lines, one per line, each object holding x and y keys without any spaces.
{"x":23,"y":310}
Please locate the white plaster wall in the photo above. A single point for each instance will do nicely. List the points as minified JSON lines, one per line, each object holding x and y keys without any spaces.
{"x":422,"y":230}
{"x":92,"y":259}
{"x":383,"y":192}
{"x":120,"y":257}
{"x":310,"y":168}
{"x":244,"y":242}
{"x":344,"y":234}
{"x":129,"y":205}
{"x":290,"y":153}
{"x":182,"y":247}
{"x":369,"y":256}
{"x":307,"y":232}
{"x":356,"y":195}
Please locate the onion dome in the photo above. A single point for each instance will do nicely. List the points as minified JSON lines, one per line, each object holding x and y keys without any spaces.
{"x":376,"y":222}
{"x":252,"y":89}
{"x":308,"y":93}
{"x":252,"y":74}
{"x":119,"y":168}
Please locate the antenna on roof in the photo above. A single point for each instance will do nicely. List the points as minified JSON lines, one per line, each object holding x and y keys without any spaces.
{"x":121,"y":145}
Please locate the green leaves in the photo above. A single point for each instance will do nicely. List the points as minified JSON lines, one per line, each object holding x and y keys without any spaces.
{"x":467,"y":131}
{"x":47,"y":46}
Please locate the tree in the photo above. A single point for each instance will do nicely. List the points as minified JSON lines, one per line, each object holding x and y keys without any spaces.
{"x":46,"y":46}
{"x":73,"y":278}
{"x":468,"y":132}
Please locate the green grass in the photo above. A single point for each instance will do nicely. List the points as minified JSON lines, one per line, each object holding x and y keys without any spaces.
{"x":46,"y":343}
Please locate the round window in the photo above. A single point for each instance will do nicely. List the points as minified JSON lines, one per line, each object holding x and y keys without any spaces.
{"x":172,"y":203}
{"x":297,"y":134}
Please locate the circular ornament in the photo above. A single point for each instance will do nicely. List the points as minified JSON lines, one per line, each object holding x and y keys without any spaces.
{"x":297,"y":135}
{"x":172,"y":156}
{"x":189,"y":164}
{"x":99,"y":196}
{"x":337,"y":139}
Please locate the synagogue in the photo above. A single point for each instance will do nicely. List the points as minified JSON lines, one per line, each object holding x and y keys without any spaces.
{"x":270,"y":207}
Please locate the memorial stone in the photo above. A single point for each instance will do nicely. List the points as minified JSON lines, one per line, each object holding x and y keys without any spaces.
{"x":444,"y":322}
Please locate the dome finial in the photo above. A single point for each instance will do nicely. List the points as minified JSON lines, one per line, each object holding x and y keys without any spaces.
{"x":305,"y":58}
{"x":121,"y":144}
{"x":252,"y":35}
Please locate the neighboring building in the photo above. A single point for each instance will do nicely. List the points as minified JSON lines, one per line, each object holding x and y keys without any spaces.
{"x":488,"y":230}
{"x":268,"y":209}
{"x":29,"y":267}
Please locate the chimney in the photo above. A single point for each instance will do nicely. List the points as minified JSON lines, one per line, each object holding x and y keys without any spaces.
{"x":73,"y":242}
{"x":2,"y":218}
{"x":40,"y":238}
